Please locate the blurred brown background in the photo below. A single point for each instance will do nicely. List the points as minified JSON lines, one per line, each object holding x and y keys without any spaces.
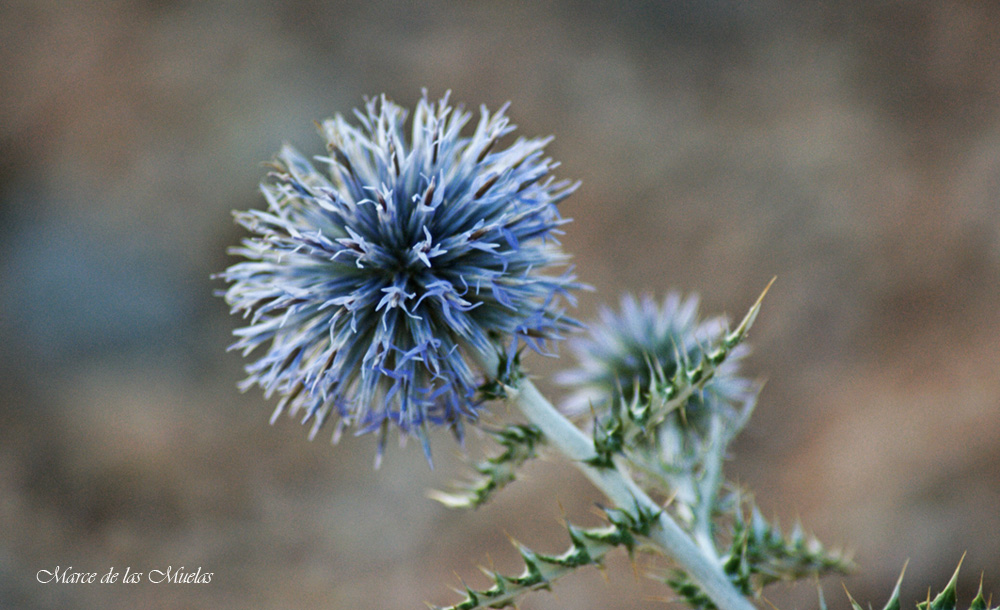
{"x":850,"y":148}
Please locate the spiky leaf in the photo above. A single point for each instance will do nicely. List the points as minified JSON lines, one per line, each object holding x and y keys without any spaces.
{"x":759,"y":554}
{"x":588,"y":548}
{"x":947,"y":599}
{"x":520,"y":443}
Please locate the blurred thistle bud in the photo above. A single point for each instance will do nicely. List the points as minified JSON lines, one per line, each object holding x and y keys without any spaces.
{"x":664,"y":391}
{"x":656,"y":349}
{"x":373,"y":284}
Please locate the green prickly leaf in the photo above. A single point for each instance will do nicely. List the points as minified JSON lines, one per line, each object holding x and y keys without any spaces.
{"x":854,"y":604}
{"x":509,"y":373}
{"x":624,"y":527}
{"x":609,"y":440}
{"x":979,"y":603}
{"x":520,"y":443}
{"x":579,"y":554}
{"x":639,"y":410}
{"x":472,"y":598}
{"x":688,"y":591}
{"x":588,"y":547}
{"x":947,"y":599}
{"x":739,"y":333}
{"x":759,"y":555}
{"x":532,"y":576}
{"x":893,"y":603}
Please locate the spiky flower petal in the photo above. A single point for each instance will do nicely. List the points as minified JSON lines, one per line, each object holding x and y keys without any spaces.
{"x":372,"y":283}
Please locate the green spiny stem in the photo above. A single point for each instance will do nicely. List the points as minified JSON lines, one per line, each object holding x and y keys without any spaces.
{"x":622,"y":490}
{"x":708,"y":487}
{"x":612,"y":479}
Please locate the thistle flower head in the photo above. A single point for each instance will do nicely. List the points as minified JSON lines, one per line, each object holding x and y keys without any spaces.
{"x":630,"y":350}
{"x":372,"y":284}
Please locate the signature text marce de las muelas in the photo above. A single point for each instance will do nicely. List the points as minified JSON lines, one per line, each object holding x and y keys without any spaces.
{"x":170,"y":575}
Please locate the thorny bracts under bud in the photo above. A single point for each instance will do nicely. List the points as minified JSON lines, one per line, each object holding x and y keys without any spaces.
{"x":629,"y":351}
{"x":371,"y":283}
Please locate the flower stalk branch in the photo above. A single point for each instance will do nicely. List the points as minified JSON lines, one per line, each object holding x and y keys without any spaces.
{"x":622,"y":490}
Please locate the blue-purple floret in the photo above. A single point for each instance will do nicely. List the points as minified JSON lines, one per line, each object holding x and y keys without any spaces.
{"x":373,"y":283}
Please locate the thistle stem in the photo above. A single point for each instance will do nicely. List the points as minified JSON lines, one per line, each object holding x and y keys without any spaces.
{"x":708,"y":487}
{"x":623,"y":491}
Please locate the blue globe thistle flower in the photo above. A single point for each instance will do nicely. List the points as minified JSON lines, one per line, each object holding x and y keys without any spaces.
{"x":644,"y":342}
{"x":372,"y":284}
